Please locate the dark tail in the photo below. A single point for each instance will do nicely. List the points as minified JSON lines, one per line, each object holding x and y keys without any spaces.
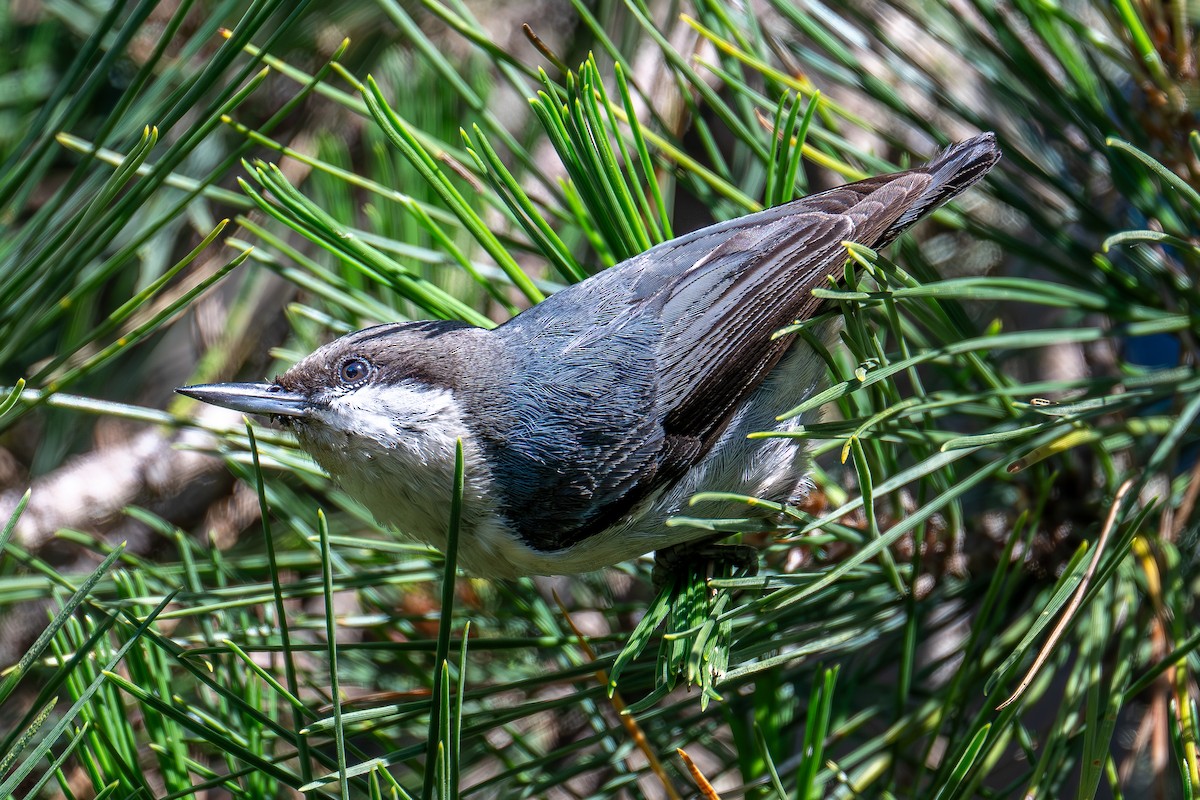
{"x":954,"y":171}
{"x":884,"y":205}
{"x":962,"y":164}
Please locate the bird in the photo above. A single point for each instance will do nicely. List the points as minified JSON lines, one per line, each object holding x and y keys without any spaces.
{"x":592,"y":418}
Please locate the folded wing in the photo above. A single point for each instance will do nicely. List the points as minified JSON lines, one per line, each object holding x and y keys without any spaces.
{"x":664,"y":348}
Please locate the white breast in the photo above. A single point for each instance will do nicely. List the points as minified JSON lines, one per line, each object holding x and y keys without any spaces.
{"x":393,"y":450}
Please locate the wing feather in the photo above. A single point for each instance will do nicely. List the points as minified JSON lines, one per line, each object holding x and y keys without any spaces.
{"x":662,"y":349}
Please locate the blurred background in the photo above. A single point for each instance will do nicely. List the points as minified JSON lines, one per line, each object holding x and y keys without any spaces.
{"x":1003,"y":508}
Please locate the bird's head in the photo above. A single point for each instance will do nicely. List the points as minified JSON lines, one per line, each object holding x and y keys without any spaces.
{"x":374,"y":389}
{"x":382,"y":411}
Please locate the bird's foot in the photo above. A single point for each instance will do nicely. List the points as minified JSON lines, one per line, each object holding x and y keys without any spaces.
{"x":706,"y":558}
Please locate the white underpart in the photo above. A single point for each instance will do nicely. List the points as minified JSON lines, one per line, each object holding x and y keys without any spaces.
{"x":393,"y":450}
{"x":773,"y":469}
{"x":401,"y":467}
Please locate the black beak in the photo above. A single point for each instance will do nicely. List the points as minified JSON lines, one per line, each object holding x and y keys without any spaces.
{"x":251,"y":398}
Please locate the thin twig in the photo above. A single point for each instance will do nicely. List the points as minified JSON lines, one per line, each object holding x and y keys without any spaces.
{"x":1184,"y":514}
{"x":1076,"y":599}
{"x":631,"y":726}
{"x":706,"y":789}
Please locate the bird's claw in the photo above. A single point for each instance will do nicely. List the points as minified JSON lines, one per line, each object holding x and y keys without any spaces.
{"x":673,"y":563}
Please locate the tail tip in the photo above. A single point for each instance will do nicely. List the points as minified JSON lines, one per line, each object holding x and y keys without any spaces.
{"x":978,"y":151}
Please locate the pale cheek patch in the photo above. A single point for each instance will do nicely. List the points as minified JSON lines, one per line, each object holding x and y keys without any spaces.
{"x":393,"y":450}
{"x":391,"y":415}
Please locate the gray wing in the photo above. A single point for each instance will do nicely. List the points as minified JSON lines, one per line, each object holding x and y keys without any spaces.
{"x":633,"y":374}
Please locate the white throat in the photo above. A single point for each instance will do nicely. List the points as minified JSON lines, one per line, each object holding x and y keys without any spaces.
{"x":392,"y":448}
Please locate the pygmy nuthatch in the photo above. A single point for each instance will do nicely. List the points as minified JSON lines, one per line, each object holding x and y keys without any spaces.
{"x":590,"y":419}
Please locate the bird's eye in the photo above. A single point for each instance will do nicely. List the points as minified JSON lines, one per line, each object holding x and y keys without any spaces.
{"x":354,"y":370}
